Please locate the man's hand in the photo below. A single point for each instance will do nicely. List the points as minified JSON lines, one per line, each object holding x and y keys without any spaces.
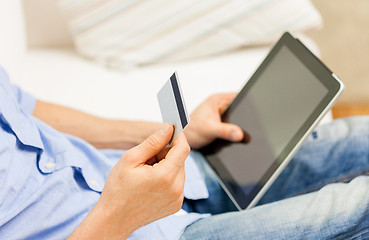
{"x":145,"y":185}
{"x":206,"y":125}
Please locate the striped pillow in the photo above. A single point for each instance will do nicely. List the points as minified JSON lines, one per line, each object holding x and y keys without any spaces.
{"x":124,"y":33}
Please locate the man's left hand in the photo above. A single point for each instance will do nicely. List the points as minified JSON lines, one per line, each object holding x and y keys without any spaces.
{"x":206,"y":124}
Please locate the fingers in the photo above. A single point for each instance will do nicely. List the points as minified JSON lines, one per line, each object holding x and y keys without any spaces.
{"x":226,"y":96}
{"x":224,"y":100}
{"x":151,"y":146}
{"x":172,"y":169}
{"x":229,"y":131}
{"x":176,"y":155}
{"x":163,"y":153}
{"x":158,"y":157}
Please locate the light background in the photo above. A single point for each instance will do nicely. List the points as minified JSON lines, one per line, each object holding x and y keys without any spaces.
{"x":344,"y":45}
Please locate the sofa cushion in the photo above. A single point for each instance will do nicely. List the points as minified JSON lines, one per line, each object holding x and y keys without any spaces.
{"x":46,"y":27}
{"x":123,"y":33}
{"x":63,"y":77}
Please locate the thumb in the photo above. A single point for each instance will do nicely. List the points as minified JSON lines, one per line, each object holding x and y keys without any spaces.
{"x":231,"y":132}
{"x":152,"y":145}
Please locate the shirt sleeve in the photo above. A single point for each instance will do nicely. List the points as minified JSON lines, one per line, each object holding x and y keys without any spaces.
{"x":25,"y":101}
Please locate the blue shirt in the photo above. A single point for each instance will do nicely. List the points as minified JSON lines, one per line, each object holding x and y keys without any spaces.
{"x":49,"y":181}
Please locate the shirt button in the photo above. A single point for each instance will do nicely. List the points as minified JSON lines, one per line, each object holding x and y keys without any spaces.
{"x":93,"y":183}
{"x":50,"y":165}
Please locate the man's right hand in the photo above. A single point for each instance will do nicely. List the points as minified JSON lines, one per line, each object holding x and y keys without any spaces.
{"x":145,"y":185}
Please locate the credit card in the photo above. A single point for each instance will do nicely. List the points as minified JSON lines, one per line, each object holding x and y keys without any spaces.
{"x":172,"y":106}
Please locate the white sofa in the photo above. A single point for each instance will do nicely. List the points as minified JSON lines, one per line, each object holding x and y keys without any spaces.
{"x":47,"y":66}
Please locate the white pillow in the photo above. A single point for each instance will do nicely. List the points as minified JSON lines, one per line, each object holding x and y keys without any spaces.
{"x":122,"y":33}
{"x":12,"y":40}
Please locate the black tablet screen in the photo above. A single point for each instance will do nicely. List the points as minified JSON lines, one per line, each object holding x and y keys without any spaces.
{"x":273,"y":109}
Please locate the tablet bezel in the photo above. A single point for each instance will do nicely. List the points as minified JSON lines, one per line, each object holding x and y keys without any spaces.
{"x":324,"y":75}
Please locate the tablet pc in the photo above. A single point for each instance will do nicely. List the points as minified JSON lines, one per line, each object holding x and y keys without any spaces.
{"x":277,"y":108}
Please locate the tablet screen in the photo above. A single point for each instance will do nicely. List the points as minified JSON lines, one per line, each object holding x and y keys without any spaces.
{"x":272,"y":110}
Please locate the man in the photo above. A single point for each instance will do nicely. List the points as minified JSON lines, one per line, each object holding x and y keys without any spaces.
{"x":55,"y":185}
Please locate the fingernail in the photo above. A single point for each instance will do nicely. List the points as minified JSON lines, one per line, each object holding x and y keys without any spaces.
{"x":236,"y":135}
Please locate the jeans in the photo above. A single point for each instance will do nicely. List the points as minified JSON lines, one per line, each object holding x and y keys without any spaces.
{"x":322,"y":194}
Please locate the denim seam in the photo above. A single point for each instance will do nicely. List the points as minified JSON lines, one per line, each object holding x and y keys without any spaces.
{"x":342,"y":179}
{"x":354,"y":236}
{"x":359,"y":234}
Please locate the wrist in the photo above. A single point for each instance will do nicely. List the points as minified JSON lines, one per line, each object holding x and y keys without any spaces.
{"x":124,"y":134}
{"x":193,"y":138}
{"x":104,"y":222}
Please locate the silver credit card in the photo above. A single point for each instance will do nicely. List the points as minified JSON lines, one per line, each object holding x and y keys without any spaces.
{"x":172,"y":106}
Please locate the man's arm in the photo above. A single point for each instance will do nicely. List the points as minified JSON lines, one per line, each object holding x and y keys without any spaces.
{"x":100,"y":132}
{"x":204,"y":127}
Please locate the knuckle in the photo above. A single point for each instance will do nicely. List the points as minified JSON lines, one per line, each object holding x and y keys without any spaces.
{"x":135,"y":155}
{"x":179,"y":202}
{"x":167,"y":180}
{"x":128,"y":155}
{"x":173,"y":187}
{"x":176,"y":193}
{"x":153,"y":142}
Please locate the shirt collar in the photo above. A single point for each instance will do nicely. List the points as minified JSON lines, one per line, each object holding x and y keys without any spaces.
{"x":19,"y":122}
